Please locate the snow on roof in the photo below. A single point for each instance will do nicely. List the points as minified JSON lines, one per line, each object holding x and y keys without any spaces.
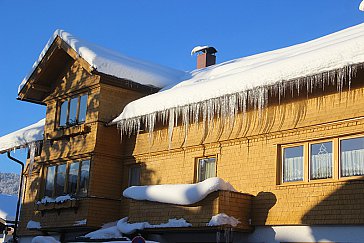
{"x":22,"y":137}
{"x":198,"y":48}
{"x":233,"y":84}
{"x":180,"y":194}
{"x":113,"y":63}
{"x":223,"y":219}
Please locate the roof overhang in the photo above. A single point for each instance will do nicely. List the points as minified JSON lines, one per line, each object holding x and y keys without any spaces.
{"x":57,"y":58}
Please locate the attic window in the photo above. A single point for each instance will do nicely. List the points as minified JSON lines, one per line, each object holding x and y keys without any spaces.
{"x":73,"y":111}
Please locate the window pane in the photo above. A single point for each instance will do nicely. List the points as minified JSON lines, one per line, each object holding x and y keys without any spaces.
{"x":72,"y":120}
{"x":134,"y":176}
{"x":206,"y":168}
{"x":49,"y":185}
{"x":293,"y":164}
{"x":60,"y":179}
{"x":352,"y":157}
{"x":63,"y":113}
{"x":83,"y":108}
{"x":321,"y":160}
{"x":73,"y":177}
{"x":85,"y":168}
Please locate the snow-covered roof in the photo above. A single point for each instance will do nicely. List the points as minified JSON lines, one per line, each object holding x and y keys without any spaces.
{"x":232,"y":85}
{"x":180,"y":194}
{"x":22,"y":137}
{"x":113,"y":63}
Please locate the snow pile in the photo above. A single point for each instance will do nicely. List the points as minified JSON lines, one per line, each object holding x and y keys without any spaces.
{"x":198,"y":48}
{"x":180,"y":194}
{"x":361,"y":6}
{"x":113,"y":63}
{"x":172,"y":223}
{"x":80,"y":222}
{"x":59,"y":199}
{"x":123,"y":227}
{"x":33,"y":225}
{"x":223,"y":219}
{"x":22,"y":137}
{"x":229,"y":87}
{"x":44,"y":239}
{"x":105,"y":233}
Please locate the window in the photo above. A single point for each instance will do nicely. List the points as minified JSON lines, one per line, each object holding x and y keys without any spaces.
{"x":134,"y":176}
{"x":333,"y":159}
{"x":352,"y":157}
{"x":73,"y":171}
{"x":71,"y":178}
{"x":73,"y":111}
{"x":206,"y":168}
{"x":84,"y":177}
{"x":37,"y":150}
{"x":49,"y":183}
{"x":60,"y":179}
{"x":293,"y":164}
{"x":321,"y":160}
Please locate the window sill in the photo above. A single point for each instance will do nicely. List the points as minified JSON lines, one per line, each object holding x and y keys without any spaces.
{"x":321,"y":181}
{"x":68,"y":132}
{"x":74,"y":203}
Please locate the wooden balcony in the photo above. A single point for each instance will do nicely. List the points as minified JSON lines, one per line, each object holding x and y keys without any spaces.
{"x":234,"y":204}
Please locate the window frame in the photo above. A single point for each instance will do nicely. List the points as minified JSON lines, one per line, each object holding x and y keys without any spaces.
{"x":347,"y":178}
{"x":66,"y":181}
{"x":67,"y":115}
{"x":197,"y":167}
{"x":333,"y":159}
{"x":304,"y":166}
{"x":336,"y":160}
{"x":137,"y":166}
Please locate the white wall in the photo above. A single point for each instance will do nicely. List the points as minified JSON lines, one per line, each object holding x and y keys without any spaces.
{"x":278,"y":234}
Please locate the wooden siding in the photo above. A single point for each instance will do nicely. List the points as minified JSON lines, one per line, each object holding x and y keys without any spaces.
{"x":248,"y":156}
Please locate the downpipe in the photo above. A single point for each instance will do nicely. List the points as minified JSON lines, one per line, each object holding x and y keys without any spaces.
{"x":15,"y":234}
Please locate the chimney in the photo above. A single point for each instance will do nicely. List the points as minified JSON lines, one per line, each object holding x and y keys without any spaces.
{"x":205,"y":56}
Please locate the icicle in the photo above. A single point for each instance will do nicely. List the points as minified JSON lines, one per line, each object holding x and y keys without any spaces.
{"x":32,"y":147}
{"x":225,"y":108}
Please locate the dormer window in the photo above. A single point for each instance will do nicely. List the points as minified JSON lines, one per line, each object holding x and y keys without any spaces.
{"x":73,"y":111}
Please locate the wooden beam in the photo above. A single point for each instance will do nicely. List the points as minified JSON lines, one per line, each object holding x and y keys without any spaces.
{"x":40,"y":87}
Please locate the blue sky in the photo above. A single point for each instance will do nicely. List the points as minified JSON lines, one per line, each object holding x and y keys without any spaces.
{"x":159,"y":31}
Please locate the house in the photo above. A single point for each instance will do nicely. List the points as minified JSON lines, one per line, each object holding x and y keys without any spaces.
{"x":274,"y":140}
{"x":7,"y":215}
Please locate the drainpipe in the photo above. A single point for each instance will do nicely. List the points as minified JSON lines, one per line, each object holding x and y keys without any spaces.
{"x":15,"y":236}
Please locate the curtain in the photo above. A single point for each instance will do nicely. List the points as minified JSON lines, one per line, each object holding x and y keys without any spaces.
{"x":207,"y":169}
{"x":321,"y":166}
{"x":293,"y":169}
{"x":352,"y":162}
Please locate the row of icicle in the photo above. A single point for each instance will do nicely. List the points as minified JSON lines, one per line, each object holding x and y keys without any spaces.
{"x":227,"y":106}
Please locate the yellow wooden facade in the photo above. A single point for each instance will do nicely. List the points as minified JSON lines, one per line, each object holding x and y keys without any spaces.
{"x":248,"y":153}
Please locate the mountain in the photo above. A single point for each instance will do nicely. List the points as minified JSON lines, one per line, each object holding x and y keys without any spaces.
{"x":9,"y":183}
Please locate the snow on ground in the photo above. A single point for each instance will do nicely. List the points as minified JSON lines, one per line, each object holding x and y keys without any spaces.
{"x":22,"y":137}
{"x":113,"y":63}
{"x":59,"y":199}
{"x":106,"y":233}
{"x":123,"y":227}
{"x":224,"y":88}
{"x":44,"y":239}
{"x":223,"y":219}
{"x":8,"y":206}
{"x":180,"y":194}
{"x":33,"y":225}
